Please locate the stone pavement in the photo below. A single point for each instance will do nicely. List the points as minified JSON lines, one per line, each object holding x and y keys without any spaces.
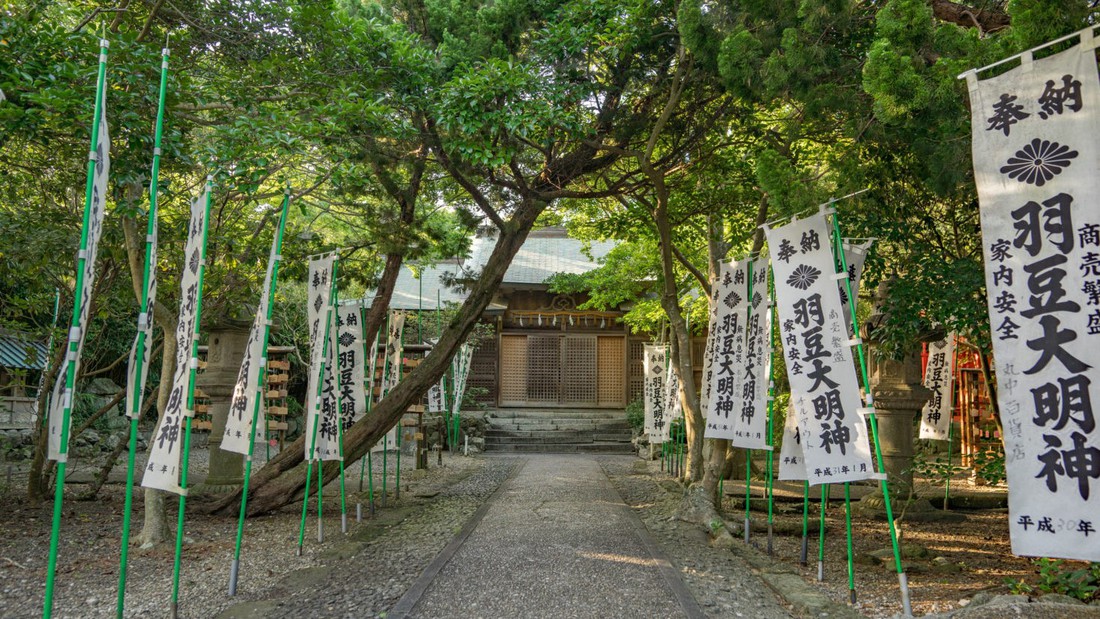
{"x":555,"y":541}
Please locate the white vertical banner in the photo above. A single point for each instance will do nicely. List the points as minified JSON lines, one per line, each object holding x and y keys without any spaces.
{"x":1034,"y":134}
{"x":727,"y":360}
{"x":350,"y":363}
{"x":674,"y":408}
{"x":750,"y":428}
{"x":708,"y":349}
{"x":135,"y":385}
{"x":435,"y":397}
{"x":935,"y":417}
{"x":792,"y":465}
{"x":823,"y":381}
{"x":395,"y":349}
{"x":247,"y":392}
{"x":163,"y":467}
{"x":460,"y":370}
{"x":654,"y":366}
{"x":62,"y":398}
{"x":328,"y":433}
{"x":319,"y":303}
{"x":855,"y":256}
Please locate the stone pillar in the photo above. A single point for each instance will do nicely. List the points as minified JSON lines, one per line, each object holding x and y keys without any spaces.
{"x":225,"y":351}
{"x":899,"y":398}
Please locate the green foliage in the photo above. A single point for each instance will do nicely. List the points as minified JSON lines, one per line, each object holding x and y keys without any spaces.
{"x":989,"y":465}
{"x":635,"y":415}
{"x":1056,"y":576}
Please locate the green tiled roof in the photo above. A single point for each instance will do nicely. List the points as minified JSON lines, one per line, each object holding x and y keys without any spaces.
{"x":18,"y":351}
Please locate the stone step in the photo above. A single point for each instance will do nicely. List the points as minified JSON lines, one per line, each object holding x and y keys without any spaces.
{"x":601,"y":448}
{"x":555,"y":437}
{"x":552,"y":424}
{"x":556,"y":414}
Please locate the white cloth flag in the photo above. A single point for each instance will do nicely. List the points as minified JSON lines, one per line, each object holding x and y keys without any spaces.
{"x":328,"y":434}
{"x":460,"y":370}
{"x":435,"y":397}
{"x":750,"y":428}
{"x":823,"y":381}
{"x":61,"y":399}
{"x":935,"y":418}
{"x":792,"y":467}
{"x":319,"y":304}
{"x":392,"y":372}
{"x":1035,"y":164}
{"x":240,"y":424}
{"x":350,"y":363}
{"x":727,"y":359}
{"x":708,"y":349}
{"x":163,"y":468}
{"x":674,"y":408}
{"x":654,"y":365}
{"x":395,"y":349}
{"x":855,"y":256}
{"x":135,"y":385}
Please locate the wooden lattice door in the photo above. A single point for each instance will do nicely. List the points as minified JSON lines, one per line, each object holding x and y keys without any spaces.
{"x":513,"y":370}
{"x":610,"y":361}
{"x":543,"y":369}
{"x":579,"y":370}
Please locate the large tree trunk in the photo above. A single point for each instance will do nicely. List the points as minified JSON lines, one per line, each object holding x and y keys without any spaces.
{"x":282,"y":480}
{"x":376,"y":315}
{"x":38,"y":480}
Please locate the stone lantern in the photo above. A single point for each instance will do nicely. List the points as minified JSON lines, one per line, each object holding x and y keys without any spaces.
{"x":898,"y":398}
{"x":226,"y":344}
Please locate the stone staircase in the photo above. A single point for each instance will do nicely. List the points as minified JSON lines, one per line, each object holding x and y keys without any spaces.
{"x":558,"y":430}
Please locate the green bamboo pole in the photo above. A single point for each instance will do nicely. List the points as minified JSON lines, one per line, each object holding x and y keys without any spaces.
{"x":841,"y":266}
{"x":74,"y":346}
{"x":320,"y":500}
{"x":848,"y":526}
{"x":382,"y":394}
{"x":185,"y":458}
{"x":261,"y":381}
{"x":903,"y":580}
{"x":139,"y":349}
{"x":770,"y":481}
{"x":313,"y":438}
{"x":951,"y":425}
{"x":748,"y":452}
{"x":821,"y":534}
{"x":340,"y":439}
{"x":802,"y":560}
{"x":401,"y":419}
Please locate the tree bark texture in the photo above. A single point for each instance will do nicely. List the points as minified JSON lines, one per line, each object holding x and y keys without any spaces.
{"x":282,"y":480}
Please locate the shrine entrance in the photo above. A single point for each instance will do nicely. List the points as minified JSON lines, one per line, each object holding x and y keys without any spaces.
{"x":556,"y":369}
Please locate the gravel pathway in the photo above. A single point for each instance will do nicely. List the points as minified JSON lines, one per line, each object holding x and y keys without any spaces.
{"x":723,"y":583}
{"x":557,"y":541}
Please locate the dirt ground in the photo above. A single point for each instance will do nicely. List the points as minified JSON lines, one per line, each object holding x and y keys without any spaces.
{"x":947,"y":563}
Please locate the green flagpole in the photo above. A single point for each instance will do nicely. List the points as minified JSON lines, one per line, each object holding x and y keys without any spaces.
{"x":74,"y":346}
{"x":340,"y":438}
{"x":805,"y":520}
{"x":903,"y":580}
{"x":401,"y":419}
{"x":848,"y":527}
{"x":770,"y":482}
{"x":139,"y":349}
{"x":313,"y":435}
{"x":325,"y":368}
{"x":382,"y":394}
{"x":260,"y":383}
{"x":190,"y":405}
{"x":841,"y":267}
{"x":748,"y":452}
{"x":821,"y":534}
{"x":951,"y":424}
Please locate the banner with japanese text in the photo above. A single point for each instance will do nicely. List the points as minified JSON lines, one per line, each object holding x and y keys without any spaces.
{"x":248,"y":392}
{"x":61,"y":398}
{"x":792,"y":466}
{"x":654,"y":366}
{"x":1034,"y":132}
{"x":855,"y":256}
{"x":328,"y":433}
{"x":674,"y":408}
{"x":727,"y":359}
{"x":935,"y":417}
{"x":162,"y":471}
{"x":750,"y":428}
{"x":350,"y":363}
{"x":319,"y":304}
{"x":460,"y":371}
{"x":135,"y":385}
{"x":824,"y":388}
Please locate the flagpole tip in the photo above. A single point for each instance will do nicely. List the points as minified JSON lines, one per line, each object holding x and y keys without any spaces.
{"x":104,"y":43}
